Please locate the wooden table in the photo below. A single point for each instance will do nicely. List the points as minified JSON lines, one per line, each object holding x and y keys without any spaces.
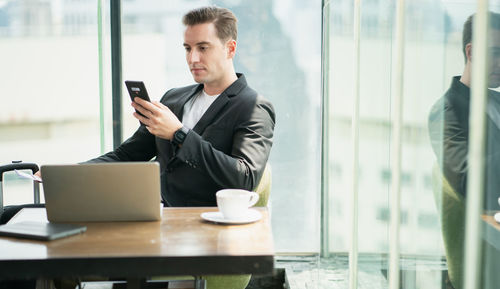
{"x":491,"y":230}
{"x":490,"y":261}
{"x":181,"y":244}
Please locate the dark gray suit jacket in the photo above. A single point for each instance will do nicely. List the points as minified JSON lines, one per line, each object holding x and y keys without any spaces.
{"x":228,"y":148}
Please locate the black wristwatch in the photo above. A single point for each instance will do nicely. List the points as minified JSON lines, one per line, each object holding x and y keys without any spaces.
{"x":180,"y":135}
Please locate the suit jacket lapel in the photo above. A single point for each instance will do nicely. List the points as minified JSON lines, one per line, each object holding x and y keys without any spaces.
{"x":211,"y":113}
{"x":219,"y":103}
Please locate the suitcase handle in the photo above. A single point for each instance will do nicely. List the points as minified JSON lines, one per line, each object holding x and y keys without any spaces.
{"x":18,"y":166}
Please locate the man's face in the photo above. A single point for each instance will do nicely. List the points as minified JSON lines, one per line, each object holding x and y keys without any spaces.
{"x":494,"y":58}
{"x":206,"y":55}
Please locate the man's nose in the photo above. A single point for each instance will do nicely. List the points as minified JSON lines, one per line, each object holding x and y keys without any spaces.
{"x":194,"y":56}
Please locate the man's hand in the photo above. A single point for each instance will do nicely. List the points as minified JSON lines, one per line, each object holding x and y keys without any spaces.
{"x":159,"y":119}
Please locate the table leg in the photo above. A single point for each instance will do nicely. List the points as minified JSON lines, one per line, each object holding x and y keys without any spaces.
{"x":200,"y":283}
{"x":136,"y":283}
{"x":45,"y":284}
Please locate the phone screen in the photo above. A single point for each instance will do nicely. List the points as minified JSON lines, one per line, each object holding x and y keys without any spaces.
{"x":137,"y":89}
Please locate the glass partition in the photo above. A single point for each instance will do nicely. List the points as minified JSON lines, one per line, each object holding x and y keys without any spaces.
{"x":432,"y":55}
{"x":481,"y":194}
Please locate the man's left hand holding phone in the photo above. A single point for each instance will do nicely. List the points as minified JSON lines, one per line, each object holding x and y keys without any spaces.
{"x":158,"y":119}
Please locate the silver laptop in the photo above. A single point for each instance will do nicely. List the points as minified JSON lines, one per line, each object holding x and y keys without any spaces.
{"x":102,"y":192}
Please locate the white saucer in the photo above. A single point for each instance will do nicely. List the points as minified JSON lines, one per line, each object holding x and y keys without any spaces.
{"x":253,"y":216}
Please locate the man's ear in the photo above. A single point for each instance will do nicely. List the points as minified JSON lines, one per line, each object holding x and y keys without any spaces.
{"x":231,"y":48}
{"x":468,"y":51}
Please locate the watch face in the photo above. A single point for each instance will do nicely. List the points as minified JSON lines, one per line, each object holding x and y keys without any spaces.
{"x":179,"y":136}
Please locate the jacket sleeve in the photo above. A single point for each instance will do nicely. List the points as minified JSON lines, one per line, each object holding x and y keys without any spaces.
{"x":449,"y":140}
{"x":244,"y":166}
{"x":139,"y":147}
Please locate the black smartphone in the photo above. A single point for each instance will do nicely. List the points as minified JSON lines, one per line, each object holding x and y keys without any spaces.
{"x":137,"y":89}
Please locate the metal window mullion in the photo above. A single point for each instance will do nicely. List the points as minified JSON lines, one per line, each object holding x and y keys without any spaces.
{"x":353,"y":252}
{"x":100,"y":52}
{"x":325,"y":143}
{"x":477,"y":137}
{"x":396,"y":144}
{"x":116,"y":70}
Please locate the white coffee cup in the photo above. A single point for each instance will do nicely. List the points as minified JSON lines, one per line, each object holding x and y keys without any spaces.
{"x":234,"y":203}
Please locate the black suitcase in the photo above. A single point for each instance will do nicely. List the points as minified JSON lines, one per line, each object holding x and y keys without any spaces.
{"x":6,"y":213}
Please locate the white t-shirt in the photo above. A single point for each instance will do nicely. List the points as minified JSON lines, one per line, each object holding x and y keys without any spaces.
{"x":196,"y":107}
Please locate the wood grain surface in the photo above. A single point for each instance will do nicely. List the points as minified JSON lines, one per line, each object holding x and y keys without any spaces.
{"x":182,"y":238}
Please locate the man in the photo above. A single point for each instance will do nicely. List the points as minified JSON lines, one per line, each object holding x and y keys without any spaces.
{"x":449,"y":134}
{"x":213,"y":135}
{"x":449,"y":119}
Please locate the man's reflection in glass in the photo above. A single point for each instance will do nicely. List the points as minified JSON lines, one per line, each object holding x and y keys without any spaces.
{"x":449,"y":134}
{"x":449,"y":119}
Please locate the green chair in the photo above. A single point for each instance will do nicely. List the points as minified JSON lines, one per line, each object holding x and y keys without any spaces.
{"x":264,"y":187}
{"x":451,"y":208}
{"x":233,"y":281}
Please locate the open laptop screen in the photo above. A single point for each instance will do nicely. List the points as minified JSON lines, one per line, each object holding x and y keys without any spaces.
{"x":126,"y":191}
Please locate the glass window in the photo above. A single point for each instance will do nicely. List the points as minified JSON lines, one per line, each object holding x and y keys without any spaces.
{"x":279,"y":51}
{"x":485,"y":230}
{"x":50,"y":96}
{"x":431,"y":38}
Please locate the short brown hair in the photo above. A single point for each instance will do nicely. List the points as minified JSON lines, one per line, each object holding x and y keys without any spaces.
{"x":494,"y":19}
{"x":222,"y":18}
